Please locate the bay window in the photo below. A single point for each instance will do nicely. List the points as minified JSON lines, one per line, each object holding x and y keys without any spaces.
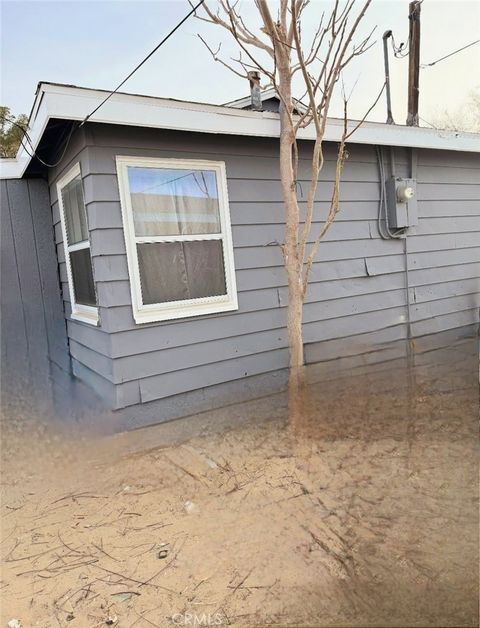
{"x":178,"y":237}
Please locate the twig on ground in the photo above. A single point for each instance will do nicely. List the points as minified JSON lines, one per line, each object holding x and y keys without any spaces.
{"x":100,"y":549}
{"x":84,"y":495}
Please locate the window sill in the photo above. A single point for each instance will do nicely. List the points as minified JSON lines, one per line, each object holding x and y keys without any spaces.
{"x":159,"y":314}
{"x":85,"y":314}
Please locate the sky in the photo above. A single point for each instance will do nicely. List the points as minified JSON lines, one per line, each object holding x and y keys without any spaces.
{"x":96,"y":43}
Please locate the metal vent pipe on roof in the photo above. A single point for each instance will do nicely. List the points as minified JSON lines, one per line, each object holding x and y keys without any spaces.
{"x":254,"y":80}
{"x":386,"y":36}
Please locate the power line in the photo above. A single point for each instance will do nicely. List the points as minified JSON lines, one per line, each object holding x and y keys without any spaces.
{"x":429,"y":123}
{"x":142,"y":62}
{"x":428,"y":65}
{"x":400,"y":51}
{"x":30,"y":150}
{"x":74,"y":127}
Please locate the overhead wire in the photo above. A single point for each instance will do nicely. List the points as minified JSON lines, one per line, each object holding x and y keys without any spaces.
{"x":166,"y":38}
{"x":401,"y":51}
{"x":31,"y":152}
{"x":75,"y":126}
{"x":429,"y":65}
{"x":427,"y":122}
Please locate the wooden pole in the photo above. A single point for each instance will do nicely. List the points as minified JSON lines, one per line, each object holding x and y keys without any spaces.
{"x":414,"y":62}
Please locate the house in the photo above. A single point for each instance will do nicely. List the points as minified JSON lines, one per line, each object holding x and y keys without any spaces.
{"x":146,"y":258}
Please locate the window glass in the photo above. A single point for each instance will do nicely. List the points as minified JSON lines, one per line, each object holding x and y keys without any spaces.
{"x":82,"y":276}
{"x":178,"y":237}
{"x":173,"y":201}
{"x":176,"y":271}
{"x":74,"y":209}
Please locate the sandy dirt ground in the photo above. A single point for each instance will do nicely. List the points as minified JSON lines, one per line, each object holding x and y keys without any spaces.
{"x":365,"y":514}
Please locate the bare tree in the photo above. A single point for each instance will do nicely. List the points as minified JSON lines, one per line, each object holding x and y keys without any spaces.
{"x":466,"y":117}
{"x":276,"y":50}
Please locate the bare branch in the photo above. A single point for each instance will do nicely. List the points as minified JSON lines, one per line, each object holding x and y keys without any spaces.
{"x":334,"y":203}
{"x":241,"y":33}
{"x":319,"y":63}
{"x":217,"y":58}
{"x":359,"y":124}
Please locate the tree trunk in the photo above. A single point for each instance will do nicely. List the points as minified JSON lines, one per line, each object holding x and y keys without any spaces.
{"x":291,"y":251}
{"x":296,"y":382}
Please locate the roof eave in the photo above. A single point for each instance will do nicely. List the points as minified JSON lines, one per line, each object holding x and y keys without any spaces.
{"x":75,"y":103}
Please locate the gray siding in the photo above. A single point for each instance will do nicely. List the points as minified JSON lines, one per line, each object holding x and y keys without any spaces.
{"x":445,"y":247}
{"x":94,"y":340}
{"x":33,"y":332}
{"x":356,"y":302}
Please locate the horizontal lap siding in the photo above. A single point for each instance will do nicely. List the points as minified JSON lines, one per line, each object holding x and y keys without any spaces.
{"x":89,"y":345}
{"x":356,"y":300}
{"x":172,"y":357}
{"x":445,"y":264}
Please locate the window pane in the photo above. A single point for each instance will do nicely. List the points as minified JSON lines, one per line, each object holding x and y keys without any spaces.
{"x":74,"y":209}
{"x":174,"y":271}
{"x":82,"y":275}
{"x":173,"y":201}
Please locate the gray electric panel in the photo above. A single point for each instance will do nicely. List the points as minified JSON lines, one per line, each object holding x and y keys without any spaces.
{"x":401,"y":207}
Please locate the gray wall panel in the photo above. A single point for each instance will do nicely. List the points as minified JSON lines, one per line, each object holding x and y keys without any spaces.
{"x":447,"y":209}
{"x":451,"y":288}
{"x":103,"y":387}
{"x":447,"y":174}
{"x":442,"y":322}
{"x":89,"y":345}
{"x":359,"y":344}
{"x":28,"y":271}
{"x":179,"y":381}
{"x":431,"y":276}
{"x":356,"y":302}
{"x":200,"y":354}
{"x":14,"y":338}
{"x":33,"y":331}
{"x":444,"y":258}
{"x":446,"y":191}
{"x":48,"y":271}
{"x":455,"y":224}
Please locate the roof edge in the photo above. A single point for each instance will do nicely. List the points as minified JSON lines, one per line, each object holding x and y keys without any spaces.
{"x":68,"y":102}
{"x":266,"y":94}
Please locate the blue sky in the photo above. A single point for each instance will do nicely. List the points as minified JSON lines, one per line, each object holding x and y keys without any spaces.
{"x":96,"y":43}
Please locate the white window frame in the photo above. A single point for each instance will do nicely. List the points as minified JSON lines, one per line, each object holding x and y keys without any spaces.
{"x":149,"y":313}
{"x":80,"y":312}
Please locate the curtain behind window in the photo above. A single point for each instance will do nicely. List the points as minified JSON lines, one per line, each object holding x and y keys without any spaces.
{"x":174,"y":201}
{"x":176,"y":271}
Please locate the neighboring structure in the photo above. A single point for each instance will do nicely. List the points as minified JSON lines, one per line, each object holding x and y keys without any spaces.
{"x":166,"y":216}
{"x":269,"y":100}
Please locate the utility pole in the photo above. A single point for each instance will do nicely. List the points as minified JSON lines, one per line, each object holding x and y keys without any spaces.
{"x":413,"y":62}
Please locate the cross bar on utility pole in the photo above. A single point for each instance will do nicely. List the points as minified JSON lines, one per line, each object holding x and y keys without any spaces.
{"x":413,"y":62}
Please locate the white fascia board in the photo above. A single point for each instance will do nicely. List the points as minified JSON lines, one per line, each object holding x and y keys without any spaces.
{"x":75,"y":103}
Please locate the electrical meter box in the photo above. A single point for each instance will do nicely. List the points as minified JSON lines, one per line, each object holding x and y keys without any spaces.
{"x":401,"y":203}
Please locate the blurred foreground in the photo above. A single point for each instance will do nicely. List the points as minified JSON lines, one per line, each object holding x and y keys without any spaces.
{"x":366,"y":514}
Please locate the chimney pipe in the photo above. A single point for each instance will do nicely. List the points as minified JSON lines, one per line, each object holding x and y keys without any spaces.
{"x":254,"y":80}
{"x":386,"y":35}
